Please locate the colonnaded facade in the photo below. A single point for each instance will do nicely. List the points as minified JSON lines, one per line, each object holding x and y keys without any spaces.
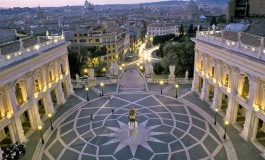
{"x":229,"y":73}
{"x":34,"y":81}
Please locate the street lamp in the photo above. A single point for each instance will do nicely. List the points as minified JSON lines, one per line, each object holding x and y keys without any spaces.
{"x":85,"y":70}
{"x":102,"y":85}
{"x":123,"y":65}
{"x":141,"y":68}
{"x":226,"y":124}
{"x":104,"y":69}
{"x":40,"y":128}
{"x":120,"y":68}
{"x":50,"y":117}
{"x":161,"y":84}
{"x":87,"y":98}
{"x":177,"y":86}
{"x":216,"y":110}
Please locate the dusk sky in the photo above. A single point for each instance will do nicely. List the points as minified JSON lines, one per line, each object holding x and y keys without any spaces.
{"x":53,"y":3}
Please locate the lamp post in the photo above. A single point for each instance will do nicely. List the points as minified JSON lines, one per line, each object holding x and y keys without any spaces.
{"x":102,"y":85}
{"x":87,"y":98}
{"x":161,"y":84}
{"x":216,"y":110}
{"x":226,"y":124}
{"x":177,"y":86}
{"x":40,"y":128}
{"x":85,"y":70}
{"x":50,"y":117}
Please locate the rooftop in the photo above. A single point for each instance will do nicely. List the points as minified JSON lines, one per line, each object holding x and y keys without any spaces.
{"x":241,"y":42}
{"x":15,"y":51}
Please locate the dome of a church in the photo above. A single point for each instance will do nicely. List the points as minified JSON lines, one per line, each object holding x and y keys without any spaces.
{"x":86,"y":5}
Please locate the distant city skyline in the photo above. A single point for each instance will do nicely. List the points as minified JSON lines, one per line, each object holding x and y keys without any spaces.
{"x":57,"y":3}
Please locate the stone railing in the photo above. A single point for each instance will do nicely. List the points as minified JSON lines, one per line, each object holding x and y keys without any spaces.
{"x":32,"y":50}
{"x":246,"y":49}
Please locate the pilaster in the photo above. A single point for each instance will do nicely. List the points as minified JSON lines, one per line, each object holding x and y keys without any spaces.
{"x":48,"y":103}
{"x":19,"y":134}
{"x":248,"y":125}
{"x":195,"y":78}
{"x":205,"y":83}
{"x":255,"y":129}
{"x":216,"y":98}
{"x":33,"y":108}
{"x":12,"y":100}
{"x":60,"y":93}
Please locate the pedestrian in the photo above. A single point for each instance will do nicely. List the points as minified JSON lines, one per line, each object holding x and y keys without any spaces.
{"x":112,"y":111}
{"x":91,"y":117}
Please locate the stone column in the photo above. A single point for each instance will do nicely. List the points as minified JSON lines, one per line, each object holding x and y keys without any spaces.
{"x":195,"y":78}
{"x":216,"y":98}
{"x":48,"y":104}
{"x":12,"y":134}
{"x":31,"y":118}
{"x":60,"y":93}
{"x":19,"y":134}
{"x":34,"y":107}
{"x":205,"y":82}
{"x":11,"y":98}
{"x":255,"y":129}
{"x":231,"y":102}
{"x":69,"y":86}
{"x":248,"y":125}
{"x":252,"y":93}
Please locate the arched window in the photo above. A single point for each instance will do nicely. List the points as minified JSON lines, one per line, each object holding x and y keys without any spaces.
{"x":19,"y":95}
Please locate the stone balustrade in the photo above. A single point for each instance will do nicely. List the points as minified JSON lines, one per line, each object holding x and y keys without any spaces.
{"x":6,"y":59}
{"x":252,"y":50}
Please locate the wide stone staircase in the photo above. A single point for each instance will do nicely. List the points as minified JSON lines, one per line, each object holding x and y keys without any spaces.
{"x":131,"y":81}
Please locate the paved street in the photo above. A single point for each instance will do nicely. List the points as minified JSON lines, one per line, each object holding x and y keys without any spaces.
{"x":168,"y":128}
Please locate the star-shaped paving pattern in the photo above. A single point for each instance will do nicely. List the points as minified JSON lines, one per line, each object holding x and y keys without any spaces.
{"x":167,"y":129}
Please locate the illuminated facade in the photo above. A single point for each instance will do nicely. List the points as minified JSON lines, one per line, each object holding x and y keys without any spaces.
{"x":34,"y":81}
{"x":114,"y":39}
{"x":229,"y":73}
{"x":161,"y":29}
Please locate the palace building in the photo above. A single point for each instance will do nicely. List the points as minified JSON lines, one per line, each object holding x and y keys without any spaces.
{"x":229,"y":73}
{"x":34,"y":81}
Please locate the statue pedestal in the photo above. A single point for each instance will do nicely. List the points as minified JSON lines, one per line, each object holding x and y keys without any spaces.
{"x":92,"y":82}
{"x":113,"y":79}
{"x":132,"y":126}
{"x":171,"y":80}
{"x":149,"y":79}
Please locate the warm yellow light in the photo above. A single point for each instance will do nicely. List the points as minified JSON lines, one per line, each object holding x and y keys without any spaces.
{"x":123,"y":65}
{"x":40,"y":127}
{"x":138,"y":63}
{"x":49,"y":115}
{"x":101,"y":84}
{"x":177,"y":85}
{"x":120,"y":68}
{"x":161,"y":82}
{"x":141,"y":67}
{"x":104,"y":69}
{"x":86,"y":88}
{"x":216,"y":110}
{"x":226,"y":122}
{"x":85,"y":70}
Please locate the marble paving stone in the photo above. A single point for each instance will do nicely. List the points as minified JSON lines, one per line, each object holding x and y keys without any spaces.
{"x":175,"y":146}
{"x":90,"y":149}
{"x":67,"y":138}
{"x":56,"y":152}
{"x":197,"y":152}
{"x":69,"y":155}
{"x":178,"y":156}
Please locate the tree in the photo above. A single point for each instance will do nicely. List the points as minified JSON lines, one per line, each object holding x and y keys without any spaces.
{"x":180,"y":54}
{"x":213,"y":21}
{"x":190,"y":30}
{"x":162,"y":39}
{"x":181,"y":29}
{"x":158,"y":69}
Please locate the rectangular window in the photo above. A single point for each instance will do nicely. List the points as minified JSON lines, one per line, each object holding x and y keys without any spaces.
{"x":97,"y":40}
{"x":212,"y":71}
{"x":37,"y":86}
{"x":50,"y":77}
